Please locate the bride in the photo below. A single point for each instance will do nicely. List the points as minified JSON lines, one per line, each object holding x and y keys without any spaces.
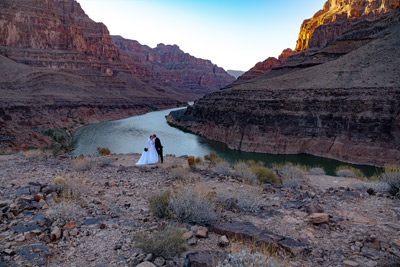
{"x":150,"y":155}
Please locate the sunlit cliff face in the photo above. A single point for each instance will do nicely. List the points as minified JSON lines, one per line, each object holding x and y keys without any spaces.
{"x":340,"y":10}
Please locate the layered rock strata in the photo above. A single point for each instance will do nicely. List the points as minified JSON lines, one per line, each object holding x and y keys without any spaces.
{"x":346,"y":108}
{"x":167,"y":66}
{"x":337,"y":17}
{"x":263,"y":67}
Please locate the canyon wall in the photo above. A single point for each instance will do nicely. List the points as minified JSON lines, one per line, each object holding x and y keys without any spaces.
{"x":337,"y":17}
{"x":167,"y":66}
{"x":339,"y":102}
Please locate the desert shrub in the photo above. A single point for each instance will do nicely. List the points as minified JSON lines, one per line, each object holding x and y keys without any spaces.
{"x":212,"y":158}
{"x":223,"y":168}
{"x":246,"y":198}
{"x":392,"y":177}
{"x":159,"y":204}
{"x":243,"y":171}
{"x":190,"y":206}
{"x":348,"y":171}
{"x":289,"y":171}
{"x":166,"y":243}
{"x":34,"y":154}
{"x":68,"y":189}
{"x":198,"y":160}
{"x":63,"y":140}
{"x":65,"y":212}
{"x":292,"y":183}
{"x":82,"y":164}
{"x":246,"y":258}
{"x":264,"y":175}
{"x":380,"y":186}
{"x":103,"y":151}
{"x":316,"y":171}
{"x":178,"y":173}
{"x":191,"y":161}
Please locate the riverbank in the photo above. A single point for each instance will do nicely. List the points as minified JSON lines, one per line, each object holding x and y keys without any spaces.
{"x":322,"y":220}
{"x":31,"y":125}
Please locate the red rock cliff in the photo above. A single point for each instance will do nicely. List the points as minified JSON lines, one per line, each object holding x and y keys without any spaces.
{"x":169,"y":67}
{"x":337,"y":17}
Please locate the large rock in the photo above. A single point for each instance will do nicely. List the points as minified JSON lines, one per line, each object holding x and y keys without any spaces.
{"x":205,"y":258}
{"x":343,"y":108}
{"x":248,"y":231}
{"x":337,"y":17}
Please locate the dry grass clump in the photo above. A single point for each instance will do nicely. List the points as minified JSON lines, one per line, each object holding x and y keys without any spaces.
{"x":198,"y":160}
{"x":179,"y":173}
{"x":103,"y":151}
{"x":166,"y":243}
{"x":223,"y":168}
{"x":243,"y":171}
{"x":82,"y":164}
{"x":104,"y":161}
{"x":290,"y":171}
{"x":391,"y":176}
{"x":34,"y":154}
{"x":65,"y":211}
{"x":159,"y":204}
{"x":68,"y":189}
{"x":348,"y":171}
{"x":189,"y":205}
{"x":191,"y":162}
{"x":212,"y":158}
{"x":316,"y":171}
{"x":265,"y":175}
{"x":245,"y":197}
{"x":250,"y":253}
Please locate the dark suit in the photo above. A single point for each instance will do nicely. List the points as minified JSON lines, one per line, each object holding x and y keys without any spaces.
{"x":159,"y":148}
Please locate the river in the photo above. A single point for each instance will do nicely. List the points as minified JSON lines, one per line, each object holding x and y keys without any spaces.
{"x":130,"y":136}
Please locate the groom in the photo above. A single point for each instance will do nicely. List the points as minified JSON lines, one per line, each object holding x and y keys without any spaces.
{"x":159,"y":147}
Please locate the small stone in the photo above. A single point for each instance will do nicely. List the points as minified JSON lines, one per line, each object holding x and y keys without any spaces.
{"x":20,"y":238}
{"x":148,"y":257}
{"x":65,"y":233}
{"x":74,"y":232}
{"x":29,"y":235}
{"x":55,"y":233}
{"x":69,"y":225}
{"x":105,"y":207}
{"x":159,"y":261}
{"x":9,"y":251}
{"x":350,"y":263}
{"x":146,"y":264}
{"x":38,"y":197}
{"x":314,"y":208}
{"x":223,"y":241}
{"x":202,"y":232}
{"x":117,"y":246}
{"x":187,"y":235}
{"x":318,"y":218}
{"x":91,"y":258}
{"x":102,"y":226}
{"x":192,"y":241}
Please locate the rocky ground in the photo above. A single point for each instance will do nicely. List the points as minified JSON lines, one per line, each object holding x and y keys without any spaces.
{"x":325,"y":221}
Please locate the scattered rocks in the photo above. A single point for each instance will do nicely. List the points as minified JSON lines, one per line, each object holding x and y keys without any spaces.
{"x":318,"y":218}
{"x":223,"y":241}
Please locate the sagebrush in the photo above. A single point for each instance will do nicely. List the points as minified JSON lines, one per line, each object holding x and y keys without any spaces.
{"x":166,"y":243}
{"x":82,"y":164}
{"x":189,"y":206}
{"x":159,"y":204}
{"x":65,"y":211}
{"x":349,"y":171}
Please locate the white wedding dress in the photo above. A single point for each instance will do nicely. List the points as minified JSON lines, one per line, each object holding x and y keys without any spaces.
{"x":150,"y":156}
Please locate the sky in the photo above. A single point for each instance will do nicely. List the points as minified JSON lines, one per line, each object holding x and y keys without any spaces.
{"x":234,"y":34}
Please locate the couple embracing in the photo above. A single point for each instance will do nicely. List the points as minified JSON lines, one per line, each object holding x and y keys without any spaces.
{"x":153,"y":150}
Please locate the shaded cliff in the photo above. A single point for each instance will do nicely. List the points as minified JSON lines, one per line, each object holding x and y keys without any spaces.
{"x":168,"y":67}
{"x":345,"y":107}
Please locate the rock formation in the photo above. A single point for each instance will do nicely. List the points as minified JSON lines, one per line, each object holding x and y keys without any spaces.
{"x":339,"y":102}
{"x":337,"y":17}
{"x":263,"y":67}
{"x":166,"y":66}
{"x":59,"y":67}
